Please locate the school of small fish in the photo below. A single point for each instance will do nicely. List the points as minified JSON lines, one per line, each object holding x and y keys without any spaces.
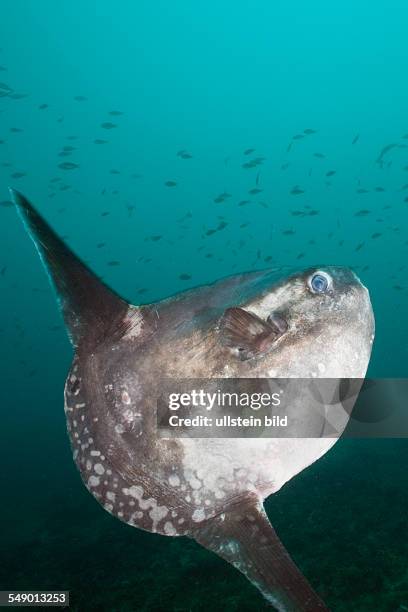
{"x":222,"y":230}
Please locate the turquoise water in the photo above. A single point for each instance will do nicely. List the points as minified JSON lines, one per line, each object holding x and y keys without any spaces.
{"x":179,"y":94}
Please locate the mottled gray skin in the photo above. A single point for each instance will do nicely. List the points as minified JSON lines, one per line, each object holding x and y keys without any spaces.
{"x":210,"y":489}
{"x":169,"y":486}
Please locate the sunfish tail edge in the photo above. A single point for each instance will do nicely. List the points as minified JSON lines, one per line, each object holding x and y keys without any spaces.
{"x":245,"y":538}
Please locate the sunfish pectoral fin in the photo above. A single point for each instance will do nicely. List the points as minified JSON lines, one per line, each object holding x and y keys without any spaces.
{"x":246,"y":332}
{"x":244,"y":537}
{"x":89,"y":307}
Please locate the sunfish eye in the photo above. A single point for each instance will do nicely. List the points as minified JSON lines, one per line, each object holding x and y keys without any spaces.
{"x":319,"y":282}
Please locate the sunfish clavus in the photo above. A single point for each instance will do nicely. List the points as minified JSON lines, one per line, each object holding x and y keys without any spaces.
{"x":318,"y":323}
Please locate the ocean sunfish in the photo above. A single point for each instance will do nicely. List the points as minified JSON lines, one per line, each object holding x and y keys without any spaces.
{"x":317,"y":323}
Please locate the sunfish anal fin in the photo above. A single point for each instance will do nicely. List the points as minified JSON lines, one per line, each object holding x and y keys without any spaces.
{"x":244,"y":537}
{"x":91,"y":310}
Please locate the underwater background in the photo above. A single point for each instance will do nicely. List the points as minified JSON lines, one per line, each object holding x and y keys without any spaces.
{"x":171,"y":144}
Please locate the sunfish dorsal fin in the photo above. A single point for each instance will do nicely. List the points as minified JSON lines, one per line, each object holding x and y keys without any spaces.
{"x":244,"y":537}
{"x":91,"y":310}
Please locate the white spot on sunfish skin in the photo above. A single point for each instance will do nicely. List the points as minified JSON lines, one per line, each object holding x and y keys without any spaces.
{"x":198,"y":515}
{"x":125,"y":397}
{"x":111,"y":496}
{"x":93,"y":481}
{"x":157,"y":514}
{"x":134,"y":491}
{"x":99,"y":469}
{"x":174,"y":480}
{"x":232,"y":547}
{"x":119,"y":428}
{"x":193,"y":481}
{"x":169,"y":529}
{"x":136,"y":515}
